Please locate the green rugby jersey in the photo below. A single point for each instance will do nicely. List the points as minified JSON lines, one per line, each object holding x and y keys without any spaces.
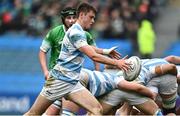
{"x":53,"y":41}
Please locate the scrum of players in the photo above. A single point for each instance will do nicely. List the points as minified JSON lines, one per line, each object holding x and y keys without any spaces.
{"x":123,"y":96}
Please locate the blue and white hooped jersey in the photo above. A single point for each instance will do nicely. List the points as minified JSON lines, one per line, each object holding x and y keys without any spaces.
{"x":100,"y":83}
{"x":148,"y":69}
{"x":71,"y":59}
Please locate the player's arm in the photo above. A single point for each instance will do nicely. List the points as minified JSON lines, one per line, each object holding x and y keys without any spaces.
{"x":79,"y":41}
{"x":43,"y":60}
{"x":96,"y":64}
{"x":110,"y":52}
{"x":173,"y":59}
{"x":45,"y":46}
{"x":165,"y":69}
{"x":91,"y":41}
{"x":90,"y":52}
{"x":135,"y":87}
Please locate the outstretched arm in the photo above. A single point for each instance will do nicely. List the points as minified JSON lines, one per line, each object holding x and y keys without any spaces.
{"x":165,"y":69}
{"x":173,"y":59}
{"x":110,"y":52}
{"x":135,"y":87}
{"x":90,"y":52}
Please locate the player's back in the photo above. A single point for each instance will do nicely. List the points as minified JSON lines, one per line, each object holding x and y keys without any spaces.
{"x":100,"y":83}
{"x":148,"y":69}
{"x":147,"y":63}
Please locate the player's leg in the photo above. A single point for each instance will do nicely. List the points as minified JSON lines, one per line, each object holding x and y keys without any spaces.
{"x":85,"y":99}
{"x":116,"y":97}
{"x":37,"y":108}
{"x":166,"y":86}
{"x":168,"y":93}
{"x":110,"y":100}
{"x":125,"y":109}
{"x":108,"y":109}
{"x":45,"y":98}
{"x":148,"y":107}
{"x":53,"y":89}
{"x":69,"y":108}
{"x":54,"y":109}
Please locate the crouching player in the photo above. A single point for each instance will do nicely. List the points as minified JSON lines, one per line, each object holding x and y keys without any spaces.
{"x":160,"y":77}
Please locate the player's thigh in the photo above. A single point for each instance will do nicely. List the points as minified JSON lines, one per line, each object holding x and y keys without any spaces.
{"x":84,"y":98}
{"x":108,"y":109}
{"x":37,"y":106}
{"x":111,"y":101}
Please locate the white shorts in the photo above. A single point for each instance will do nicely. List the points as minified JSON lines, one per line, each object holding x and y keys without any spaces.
{"x":166,"y":84}
{"x":117,"y":96}
{"x":77,"y":88}
{"x":56,"y":89}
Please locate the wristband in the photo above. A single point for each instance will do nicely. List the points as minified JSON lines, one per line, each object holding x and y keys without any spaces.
{"x":108,"y":51}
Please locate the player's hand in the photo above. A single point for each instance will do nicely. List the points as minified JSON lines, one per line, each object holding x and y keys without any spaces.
{"x":46,"y":75}
{"x":122,"y":64}
{"x":114,"y":54}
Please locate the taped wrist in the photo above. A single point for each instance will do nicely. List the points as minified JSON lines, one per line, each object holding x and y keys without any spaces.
{"x":106,"y":51}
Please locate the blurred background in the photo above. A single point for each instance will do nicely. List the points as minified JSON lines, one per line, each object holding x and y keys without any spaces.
{"x":123,"y":23}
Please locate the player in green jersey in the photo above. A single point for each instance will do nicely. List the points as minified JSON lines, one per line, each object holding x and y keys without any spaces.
{"x":53,"y":41}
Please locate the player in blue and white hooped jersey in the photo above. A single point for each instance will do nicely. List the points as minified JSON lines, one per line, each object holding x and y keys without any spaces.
{"x":105,"y":86}
{"x":149,"y":67}
{"x":100,"y":83}
{"x":160,"y":77}
{"x":64,"y":77}
{"x":176,"y":60}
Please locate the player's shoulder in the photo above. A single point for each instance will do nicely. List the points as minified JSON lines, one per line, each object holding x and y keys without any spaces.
{"x":75,"y":32}
{"x":57,"y":28}
{"x":88,"y":35}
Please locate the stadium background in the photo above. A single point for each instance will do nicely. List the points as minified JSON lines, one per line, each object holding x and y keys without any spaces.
{"x":24,"y":23}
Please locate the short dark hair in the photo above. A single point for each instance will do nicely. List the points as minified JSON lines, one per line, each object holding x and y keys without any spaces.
{"x":85,"y":7}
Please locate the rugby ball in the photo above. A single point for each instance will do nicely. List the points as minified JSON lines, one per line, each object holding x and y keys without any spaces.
{"x":135,"y":68}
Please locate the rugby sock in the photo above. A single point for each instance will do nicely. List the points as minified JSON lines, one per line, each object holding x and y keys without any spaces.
{"x":158,"y":113}
{"x":169,"y":104}
{"x":67,"y":112}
